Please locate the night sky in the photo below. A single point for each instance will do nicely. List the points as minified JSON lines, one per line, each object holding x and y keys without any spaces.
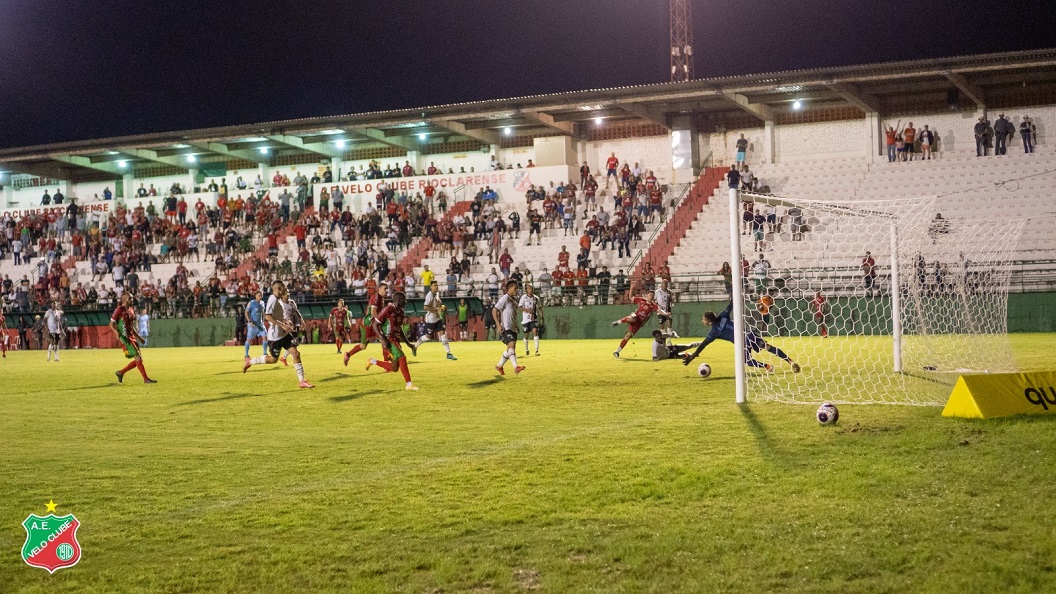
{"x":76,"y":69}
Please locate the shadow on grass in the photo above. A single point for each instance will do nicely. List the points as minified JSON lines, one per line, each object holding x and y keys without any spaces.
{"x":339,"y":399}
{"x":220,"y":399}
{"x":341,"y":376}
{"x":73,"y":389}
{"x":759,"y":432}
{"x":486,"y":383}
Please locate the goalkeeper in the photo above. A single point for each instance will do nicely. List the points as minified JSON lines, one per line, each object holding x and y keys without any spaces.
{"x":722,"y":328}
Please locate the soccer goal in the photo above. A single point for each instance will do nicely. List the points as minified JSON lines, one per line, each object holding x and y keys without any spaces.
{"x":876,"y":301}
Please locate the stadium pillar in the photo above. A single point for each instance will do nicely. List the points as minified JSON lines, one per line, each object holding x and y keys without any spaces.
{"x":768,"y":143}
{"x":128,"y":186}
{"x":193,"y":175}
{"x":414,"y":158}
{"x":262,"y":171}
{"x":9,"y":191}
{"x":335,"y":167}
{"x":873,"y":136}
{"x":685,"y":151}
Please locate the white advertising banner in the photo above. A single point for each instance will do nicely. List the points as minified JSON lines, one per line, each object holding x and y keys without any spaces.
{"x":509,"y":184}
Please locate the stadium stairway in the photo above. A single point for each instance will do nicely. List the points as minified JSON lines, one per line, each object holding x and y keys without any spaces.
{"x":412,"y":257}
{"x":544,"y":254}
{"x":261,"y":253}
{"x":682,"y":219}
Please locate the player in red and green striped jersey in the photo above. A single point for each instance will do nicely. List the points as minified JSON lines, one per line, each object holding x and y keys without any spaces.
{"x":123,"y":325}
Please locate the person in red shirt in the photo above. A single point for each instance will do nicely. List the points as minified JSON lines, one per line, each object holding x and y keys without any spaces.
{"x":181,"y":210}
{"x":301,"y":232}
{"x":611,"y":164}
{"x":123,"y":325}
{"x":664,"y":272}
{"x":656,"y":203}
{"x":645,"y":306}
{"x":563,"y":257}
{"x":339,"y":323}
{"x":891,"y":135}
{"x":821,"y":311}
{"x":388,"y":326}
{"x":377,"y":302}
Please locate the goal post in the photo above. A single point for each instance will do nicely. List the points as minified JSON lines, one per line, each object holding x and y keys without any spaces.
{"x":875,"y":301}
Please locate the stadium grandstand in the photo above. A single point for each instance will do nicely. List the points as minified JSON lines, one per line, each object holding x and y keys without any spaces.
{"x":193,"y":221}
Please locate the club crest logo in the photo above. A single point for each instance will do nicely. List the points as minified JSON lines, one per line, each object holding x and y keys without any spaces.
{"x":522,"y":181}
{"x":51,"y":541}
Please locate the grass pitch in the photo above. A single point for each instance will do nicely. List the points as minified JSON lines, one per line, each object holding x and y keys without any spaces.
{"x":584,"y":474}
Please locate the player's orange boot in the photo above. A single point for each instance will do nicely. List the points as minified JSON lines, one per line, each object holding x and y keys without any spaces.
{"x":500,"y":370}
{"x":284,"y":362}
{"x":305,"y":384}
{"x":246,"y":365}
{"x":518,"y":369}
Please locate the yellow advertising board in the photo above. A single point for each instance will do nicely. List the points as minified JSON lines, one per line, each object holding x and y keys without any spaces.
{"x":989,"y":396}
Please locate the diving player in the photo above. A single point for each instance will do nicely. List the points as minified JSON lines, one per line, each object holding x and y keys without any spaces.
{"x":722,"y":328}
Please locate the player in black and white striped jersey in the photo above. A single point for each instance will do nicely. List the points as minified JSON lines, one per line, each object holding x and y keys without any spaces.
{"x":531,"y":316}
{"x":283,"y":319}
{"x":504,"y":311}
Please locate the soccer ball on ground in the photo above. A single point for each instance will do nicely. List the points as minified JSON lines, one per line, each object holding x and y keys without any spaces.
{"x":704,"y":370}
{"x":828,"y":414}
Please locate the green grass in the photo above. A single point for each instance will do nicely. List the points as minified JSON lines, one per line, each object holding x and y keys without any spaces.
{"x":584,"y":474}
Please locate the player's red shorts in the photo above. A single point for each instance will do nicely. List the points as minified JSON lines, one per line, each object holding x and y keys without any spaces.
{"x":634,"y":324}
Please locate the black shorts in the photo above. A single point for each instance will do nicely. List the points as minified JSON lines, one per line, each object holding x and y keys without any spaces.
{"x":489,"y":324}
{"x":435,"y":327}
{"x":276,"y":347}
{"x":54,"y":337}
{"x":528,"y":327}
{"x":508,"y":336}
{"x":663,"y":319}
{"x":463,"y":325}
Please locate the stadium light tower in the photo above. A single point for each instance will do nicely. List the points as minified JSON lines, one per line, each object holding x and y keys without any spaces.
{"x":681,"y":41}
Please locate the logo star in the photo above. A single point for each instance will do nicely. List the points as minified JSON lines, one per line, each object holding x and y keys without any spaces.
{"x":51,"y":505}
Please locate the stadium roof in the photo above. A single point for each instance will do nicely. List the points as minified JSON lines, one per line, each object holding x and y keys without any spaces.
{"x":920,"y":86}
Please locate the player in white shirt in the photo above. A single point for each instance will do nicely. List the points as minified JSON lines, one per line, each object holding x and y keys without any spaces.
{"x":435,"y":311}
{"x":283,"y":318}
{"x":531,"y":317}
{"x":662,"y":297}
{"x":663,"y":349}
{"x":504,"y":311}
{"x":53,"y":320}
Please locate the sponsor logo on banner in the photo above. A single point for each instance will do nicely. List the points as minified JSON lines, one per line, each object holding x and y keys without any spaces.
{"x":988,"y":396}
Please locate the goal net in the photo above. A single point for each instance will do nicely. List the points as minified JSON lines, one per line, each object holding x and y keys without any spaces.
{"x":875,"y":301}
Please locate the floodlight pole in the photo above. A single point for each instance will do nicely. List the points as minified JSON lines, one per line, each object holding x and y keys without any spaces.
{"x":896,"y":299}
{"x":738,"y":296}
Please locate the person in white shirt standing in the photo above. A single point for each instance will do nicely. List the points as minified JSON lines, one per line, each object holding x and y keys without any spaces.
{"x":53,"y":320}
{"x":504,"y":310}
{"x":434,"y":320}
{"x":531,"y":317}
{"x":283,"y":317}
{"x":662,"y":297}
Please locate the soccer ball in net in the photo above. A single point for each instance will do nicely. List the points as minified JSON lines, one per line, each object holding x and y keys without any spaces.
{"x":828,"y":414}
{"x":704,"y":370}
